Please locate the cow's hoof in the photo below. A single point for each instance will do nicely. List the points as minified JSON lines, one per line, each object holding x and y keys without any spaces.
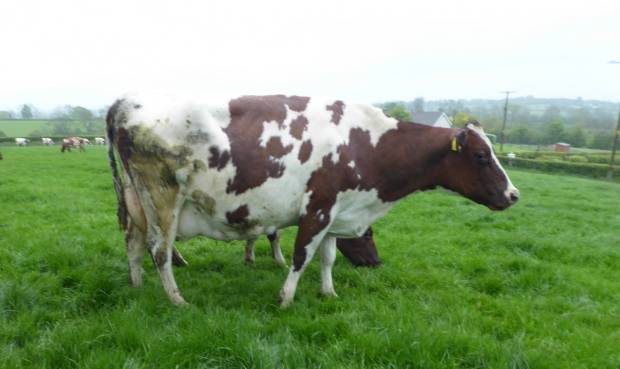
{"x":280,"y":263}
{"x":179,"y":301}
{"x":285,"y":301}
{"x":331,"y":293}
{"x":135,"y":282}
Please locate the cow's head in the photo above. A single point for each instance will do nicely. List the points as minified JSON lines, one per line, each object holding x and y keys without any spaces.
{"x":360,"y":251}
{"x":474,"y":171}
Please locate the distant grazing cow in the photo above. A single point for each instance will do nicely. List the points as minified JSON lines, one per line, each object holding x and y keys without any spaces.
{"x":99,"y":141}
{"x":85,"y":141}
{"x":22,"y":141}
{"x":69,"y":143}
{"x":47,"y":141}
{"x":255,"y":164}
{"x":1,"y":158}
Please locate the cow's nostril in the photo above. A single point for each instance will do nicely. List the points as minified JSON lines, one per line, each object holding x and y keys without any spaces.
{"x":514,"y":197}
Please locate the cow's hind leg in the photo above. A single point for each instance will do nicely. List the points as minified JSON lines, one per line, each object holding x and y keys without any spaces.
{"x":162,"y":205}
{"x":276,"y":251}
{"x":136,"y":246}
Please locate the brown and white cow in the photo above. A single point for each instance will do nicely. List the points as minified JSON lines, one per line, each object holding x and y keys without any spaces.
{"x":73,"y":142}
{"x":254,"y":164}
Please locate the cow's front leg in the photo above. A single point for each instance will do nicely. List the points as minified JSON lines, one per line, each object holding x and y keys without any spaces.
{"x":136,"y":246}
{"x":328,"y":255}
{"x":276,"y":251}
{"x":312,"y":229}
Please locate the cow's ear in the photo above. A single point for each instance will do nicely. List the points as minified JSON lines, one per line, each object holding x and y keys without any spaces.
{"x":460,"y":139}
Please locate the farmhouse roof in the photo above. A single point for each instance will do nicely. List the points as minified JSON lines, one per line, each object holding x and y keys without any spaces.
{"x":431,"y":118}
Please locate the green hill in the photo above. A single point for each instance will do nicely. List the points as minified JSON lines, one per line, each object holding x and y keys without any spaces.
{"x":44,"y":127}
{"x":21,"y":128}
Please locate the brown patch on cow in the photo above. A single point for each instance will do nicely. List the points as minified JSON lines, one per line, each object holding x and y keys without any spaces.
{"x":238,"y":217}
{"x":305,"y":151}
{"x":276,"y":149}
{"x":297,"y":103}
{"x":298,"y":126}
{"x":254,"y":163}
{"x":337,"y":109}
{"x":218,"y":160}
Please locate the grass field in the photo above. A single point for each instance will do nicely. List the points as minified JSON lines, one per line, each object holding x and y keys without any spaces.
{"x":21,"y":128}
{"x":537,"y":286}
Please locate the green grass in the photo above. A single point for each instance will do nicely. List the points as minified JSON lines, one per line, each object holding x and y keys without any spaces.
{"x":537,"y":286}
{"x":21,"y":128}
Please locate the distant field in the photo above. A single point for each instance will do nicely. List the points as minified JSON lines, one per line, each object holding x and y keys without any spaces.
{"x":516,"y":148}
{"x":536,"y":286}
{"x":21,"y":128}
{"x":24,"y":128}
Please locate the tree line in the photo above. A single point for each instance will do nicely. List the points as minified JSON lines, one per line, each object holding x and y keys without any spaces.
{"x":64,"y":120}
{"x":530,"y":120}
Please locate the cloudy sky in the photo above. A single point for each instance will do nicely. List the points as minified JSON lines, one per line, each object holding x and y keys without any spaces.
{"x":88,"y":52}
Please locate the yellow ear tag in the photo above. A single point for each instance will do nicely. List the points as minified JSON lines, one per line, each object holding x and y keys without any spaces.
{"x":455,"y":146}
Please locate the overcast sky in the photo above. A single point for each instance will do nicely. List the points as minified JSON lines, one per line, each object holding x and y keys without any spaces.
{"x":89,"y":52}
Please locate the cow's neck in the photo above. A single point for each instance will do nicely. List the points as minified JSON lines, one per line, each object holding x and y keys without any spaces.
{"x":412,"y":158}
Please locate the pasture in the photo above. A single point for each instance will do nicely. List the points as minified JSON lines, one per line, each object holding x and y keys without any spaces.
{"x":536,"y":286}
{"x":22,"y":128}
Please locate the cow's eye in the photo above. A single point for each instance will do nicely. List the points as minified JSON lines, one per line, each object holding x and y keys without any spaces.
{"x":482,"y":158}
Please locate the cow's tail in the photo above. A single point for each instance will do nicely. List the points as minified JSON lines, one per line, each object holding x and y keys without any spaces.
{"x":111,"y":120}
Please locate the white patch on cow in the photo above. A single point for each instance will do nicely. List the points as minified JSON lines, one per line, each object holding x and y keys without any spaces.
{"x":510,"y":188}
{"x":355,"y":211}
{"x":351,"y":164}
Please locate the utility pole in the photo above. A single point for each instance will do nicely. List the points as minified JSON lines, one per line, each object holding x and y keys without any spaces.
{"x":610,"y":173}
{"x":501,"y":136}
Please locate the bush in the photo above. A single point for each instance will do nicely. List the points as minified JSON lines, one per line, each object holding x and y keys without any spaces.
{"x":576,"y":159}
{"x":566,"y":167}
